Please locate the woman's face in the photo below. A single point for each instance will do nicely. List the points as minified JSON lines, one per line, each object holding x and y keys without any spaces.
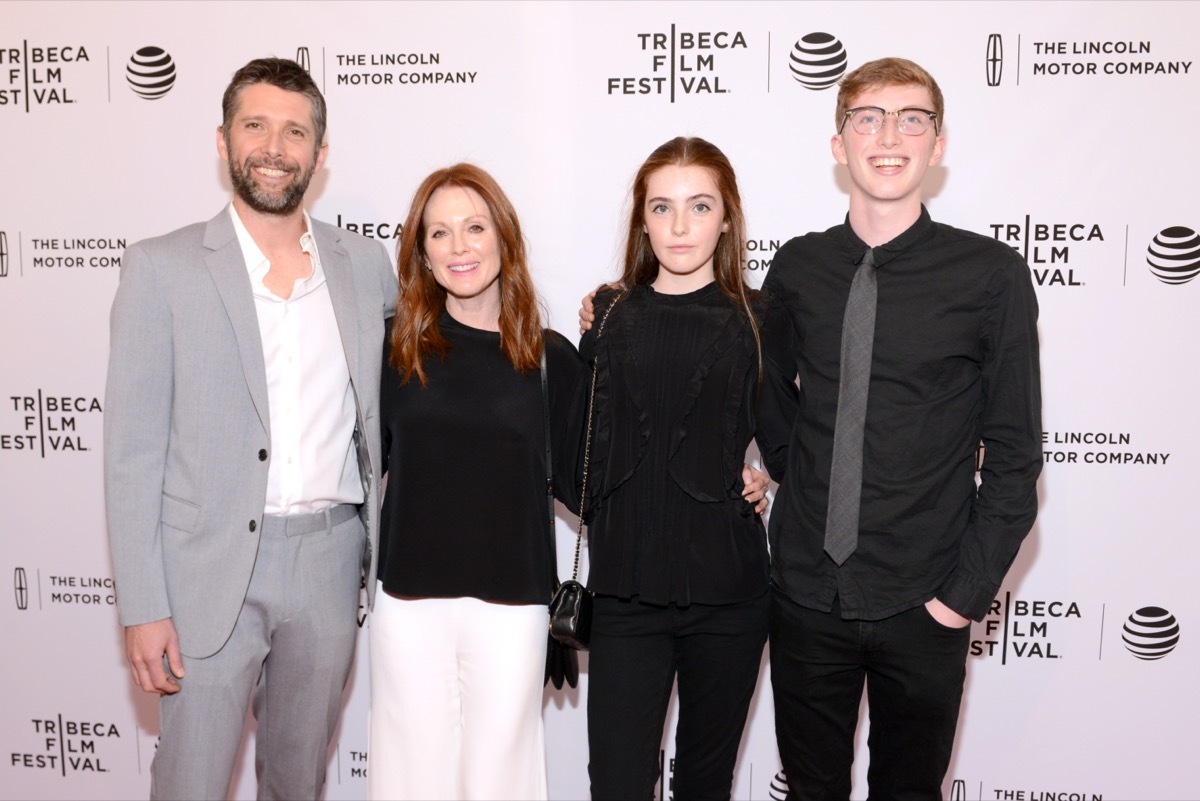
{"x":461,"y":245}
{"x":684,"y":217}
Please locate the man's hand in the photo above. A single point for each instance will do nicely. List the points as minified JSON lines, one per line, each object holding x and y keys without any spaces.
{"x":756,"y":482}
{"x":945,"y":615}
{"x":145,"y":645}
{"x":587,"y":312}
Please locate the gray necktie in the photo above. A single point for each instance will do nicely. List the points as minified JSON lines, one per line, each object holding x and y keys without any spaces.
{"x":845,"y":478}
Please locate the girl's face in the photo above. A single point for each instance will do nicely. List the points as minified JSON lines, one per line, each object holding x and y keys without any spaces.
{"x":684,"y":217}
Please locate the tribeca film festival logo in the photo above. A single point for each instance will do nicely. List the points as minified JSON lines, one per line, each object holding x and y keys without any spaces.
{"x":46,"y":423}
{"x":818,"y":61}
{"x":1047,"y":247}
{"x":1174,"y":255}
{"x":375,"y":229}
{"x":1150,"y":633}
{"x":68,"y":746}
{"x":150,"y":72}
{"x":38,"y":75}
{"x":65,"y":590}
{"x":1015,"y":628}
{"x":681,"y":63}
{"x":1098,"y":447}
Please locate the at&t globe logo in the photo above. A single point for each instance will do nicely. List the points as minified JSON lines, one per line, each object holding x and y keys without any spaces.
{"x":151,"y":72}
{"x":818,"y":61}
{"x":779,"y":787}
{"x":1151,"y":633}
{"x":1174,"y":255}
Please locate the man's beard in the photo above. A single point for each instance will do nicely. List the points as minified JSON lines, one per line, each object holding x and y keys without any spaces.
{"x":281,"y":202}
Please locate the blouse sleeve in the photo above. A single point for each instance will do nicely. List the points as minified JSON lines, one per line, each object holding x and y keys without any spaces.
{"x":566,"y":377}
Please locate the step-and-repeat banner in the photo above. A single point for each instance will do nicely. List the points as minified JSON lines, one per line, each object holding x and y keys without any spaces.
{"x":1072,"y":132}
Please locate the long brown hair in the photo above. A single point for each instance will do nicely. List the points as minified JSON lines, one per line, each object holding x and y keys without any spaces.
{"x":415,"y":333}
{"x":641,"y":265}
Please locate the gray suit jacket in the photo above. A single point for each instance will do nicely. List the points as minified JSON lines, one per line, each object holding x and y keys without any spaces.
{"x":186,"y":437}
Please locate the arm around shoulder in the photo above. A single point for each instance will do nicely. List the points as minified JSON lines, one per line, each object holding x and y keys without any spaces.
{"x":779,"y":402}
{"x":566,"y":375}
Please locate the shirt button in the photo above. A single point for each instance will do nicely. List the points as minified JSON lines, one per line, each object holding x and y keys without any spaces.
{"x":253,"y":525}
{"x":262,"y":454}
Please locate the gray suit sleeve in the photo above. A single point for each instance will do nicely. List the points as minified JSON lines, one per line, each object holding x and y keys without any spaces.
{"x":137,"y":419}
{"x":391,"y":287}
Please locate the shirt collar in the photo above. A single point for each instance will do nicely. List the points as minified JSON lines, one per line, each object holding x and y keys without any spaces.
{"x":913,"y":235}
{"x":257,"y":263}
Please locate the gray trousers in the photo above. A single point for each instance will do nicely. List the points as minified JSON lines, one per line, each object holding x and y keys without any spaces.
{"x":290,"y":652}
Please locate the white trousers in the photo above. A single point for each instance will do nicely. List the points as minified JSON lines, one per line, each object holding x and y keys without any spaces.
{"x":456,"y":700}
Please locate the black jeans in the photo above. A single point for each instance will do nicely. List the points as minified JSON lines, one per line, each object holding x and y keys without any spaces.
{"x":635,"y":653}
{"x":913,"y":667}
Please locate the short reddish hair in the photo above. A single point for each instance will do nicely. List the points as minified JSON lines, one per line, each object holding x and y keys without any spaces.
{"x":887,"y":72}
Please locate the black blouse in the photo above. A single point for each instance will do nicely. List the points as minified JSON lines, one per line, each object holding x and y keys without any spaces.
{"x":677,"y":383}
{"x":464,"y":507}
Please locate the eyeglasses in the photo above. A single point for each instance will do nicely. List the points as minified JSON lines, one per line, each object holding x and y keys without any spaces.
{"x":869,"y":119}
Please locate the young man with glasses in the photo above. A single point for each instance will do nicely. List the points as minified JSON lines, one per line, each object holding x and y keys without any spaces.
{"x":913,"y":342}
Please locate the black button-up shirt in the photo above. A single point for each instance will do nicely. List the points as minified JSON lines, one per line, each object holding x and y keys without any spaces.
{"x":955,"y":362}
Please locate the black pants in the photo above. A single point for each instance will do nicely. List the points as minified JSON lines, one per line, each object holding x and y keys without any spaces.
{"x":635,"y":653}
{"x":914,"y":669}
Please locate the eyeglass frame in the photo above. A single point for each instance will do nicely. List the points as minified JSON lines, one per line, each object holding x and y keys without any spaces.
{"x":933,"y":116}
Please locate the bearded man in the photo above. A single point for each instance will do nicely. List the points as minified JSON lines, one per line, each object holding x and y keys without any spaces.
{"x":240,"y":455}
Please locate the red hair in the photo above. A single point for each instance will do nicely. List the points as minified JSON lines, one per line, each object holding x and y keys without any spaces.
{"x":415,"y":333}
{"x":884,"y":72}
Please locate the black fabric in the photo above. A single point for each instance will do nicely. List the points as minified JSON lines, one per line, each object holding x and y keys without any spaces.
{"x":464,"y":512}
{"x":675,"y":397}
{"x":638,"y":651}
{"x":913,"y":668}
{"x":955,"y":361}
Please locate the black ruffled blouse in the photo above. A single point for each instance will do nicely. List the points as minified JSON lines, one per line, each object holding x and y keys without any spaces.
{"x":677,"y":382}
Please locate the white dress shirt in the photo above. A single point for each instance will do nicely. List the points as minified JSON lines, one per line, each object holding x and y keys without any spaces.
{"x":313,"y":463}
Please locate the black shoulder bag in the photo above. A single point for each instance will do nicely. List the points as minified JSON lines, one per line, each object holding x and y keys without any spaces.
{"x":571,"y":606}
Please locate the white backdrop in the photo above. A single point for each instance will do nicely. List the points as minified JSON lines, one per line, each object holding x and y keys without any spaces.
{"x":1071,"y":135}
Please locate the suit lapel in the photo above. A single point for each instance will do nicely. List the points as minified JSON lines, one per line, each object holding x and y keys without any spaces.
{"x":339,"y":277}
{"x":227,"y":267}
